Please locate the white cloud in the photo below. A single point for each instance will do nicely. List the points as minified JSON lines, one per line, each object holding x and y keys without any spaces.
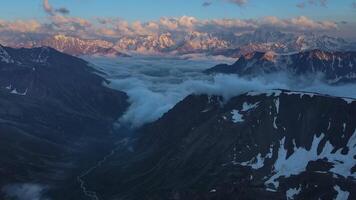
{"x":21,"y":26}
{"x":155,"y":85}
{"x":115,"y":28}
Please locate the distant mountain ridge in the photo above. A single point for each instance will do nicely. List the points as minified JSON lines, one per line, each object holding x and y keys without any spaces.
{"x":73,"y":45}
{"x":336,"y":67}
{"x":193,"y":42}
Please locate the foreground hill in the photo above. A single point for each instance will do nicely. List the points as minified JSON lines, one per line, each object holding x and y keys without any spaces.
{"x":274,"y":145}
{"x":55,"y":116}
{"x":336,"y":67}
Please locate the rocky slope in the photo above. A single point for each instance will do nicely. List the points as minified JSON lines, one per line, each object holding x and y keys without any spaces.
{"x":336,"y":67}
{"x":55,"y":118}
{"x":273,"y":145}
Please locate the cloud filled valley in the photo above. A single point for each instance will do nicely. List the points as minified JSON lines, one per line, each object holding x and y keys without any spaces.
{"x":206,"y":99}
{"x":155,"y":84}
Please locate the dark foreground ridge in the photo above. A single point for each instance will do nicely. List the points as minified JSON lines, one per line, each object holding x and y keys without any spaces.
{"x":336,"y":67}
{"x":274,"y":145}
{"x":55,"y":119}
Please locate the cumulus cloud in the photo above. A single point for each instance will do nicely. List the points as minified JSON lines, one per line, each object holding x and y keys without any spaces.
{"x":25,"y":191}
{"x":175,"y":29}
{"x":155,"y":85}
{"x":21,"y":26}
{"x":64,"y":23}
{"x":59,"y":21}
{"x":301,"y":23}
{"x":188,"y":24}
{"x":47,"y":7}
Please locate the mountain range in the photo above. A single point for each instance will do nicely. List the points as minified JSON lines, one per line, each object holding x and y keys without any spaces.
{"x":185,"y":43}
{"x":58,"y":134}
{"x":334,"y":67}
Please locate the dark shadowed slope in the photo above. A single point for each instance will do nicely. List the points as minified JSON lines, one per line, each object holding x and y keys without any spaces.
{"x":273,"y":145}
{"x":55,"y":117}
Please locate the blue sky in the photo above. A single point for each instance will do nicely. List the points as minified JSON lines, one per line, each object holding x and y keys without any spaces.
{"x":145,"y":10}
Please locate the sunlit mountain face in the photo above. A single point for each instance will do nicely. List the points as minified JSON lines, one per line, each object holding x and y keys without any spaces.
{"x":201,"y":100}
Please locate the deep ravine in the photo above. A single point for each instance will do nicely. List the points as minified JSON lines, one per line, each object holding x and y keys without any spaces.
{"x":92,"y":195}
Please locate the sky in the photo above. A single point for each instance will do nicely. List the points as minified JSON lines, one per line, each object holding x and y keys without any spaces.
{"x":114,"y":18}
{"x":145,"y":10}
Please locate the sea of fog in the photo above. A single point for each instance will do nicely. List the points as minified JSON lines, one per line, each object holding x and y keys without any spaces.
{"x":155,"y":84}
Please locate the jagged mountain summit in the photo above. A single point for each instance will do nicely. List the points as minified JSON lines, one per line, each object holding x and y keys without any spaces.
{"x":263,"y":40}
{"x":260,"y":145}
{"x":335,"y":67}
{"x":193,"y":42}
{"x":72,"y":45}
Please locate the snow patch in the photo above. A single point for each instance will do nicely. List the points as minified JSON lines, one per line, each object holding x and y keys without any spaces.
{"x":42,"y":56}
{"x":258,"y":161}
{"x":341,"y":195}
{"x":274,"y":123}
{"x":277,"y":105}
{"x":14,"y":91}
{"x":236,"y":116}
{"x":213,"y":191}
{"x":206,"y":110}
{"x":349,"y":101}
{"x":329,"y":125}
{"x":5,"y":57}
{"x":292,"y":192}
{"x":247,"y":107}
{"x":301,"y":94}
{"x":297,"y":162}
{"x":269,"y":93}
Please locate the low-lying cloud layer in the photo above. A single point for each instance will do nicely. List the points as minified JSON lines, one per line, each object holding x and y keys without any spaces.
{"x":155,"y":85}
